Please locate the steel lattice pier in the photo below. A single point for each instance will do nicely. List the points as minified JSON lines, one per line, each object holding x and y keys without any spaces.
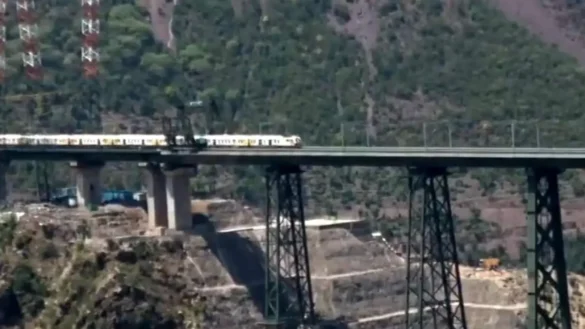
{"x":548,"y":300}
{"x":434,"y":298}
{"x":289,"y":295}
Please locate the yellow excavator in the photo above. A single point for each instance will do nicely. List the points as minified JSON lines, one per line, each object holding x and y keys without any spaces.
{"x":490,"y":264}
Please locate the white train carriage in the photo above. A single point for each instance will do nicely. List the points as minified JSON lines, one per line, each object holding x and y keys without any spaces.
{"x":44,"y":140}
{"x":154,"y":140}
{"x":89,"y":140}
{"x":75,"y":140}
{"x":62,"y":140}
{"x":265,"y":141}
{"x":30,"y":140}
{"x":110,"y":140}
{"x":132,"y":140}
{"x":12,"y":139}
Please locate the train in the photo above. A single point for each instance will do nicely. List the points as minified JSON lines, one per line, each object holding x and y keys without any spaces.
{"x":149,"y":140}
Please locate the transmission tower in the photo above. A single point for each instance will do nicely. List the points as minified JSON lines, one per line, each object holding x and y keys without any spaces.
{"x":2,"y":39}
{"x":28,"y":31}
{"x":90,"y":28}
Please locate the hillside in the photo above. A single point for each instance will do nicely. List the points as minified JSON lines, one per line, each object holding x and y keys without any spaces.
{"x":335,"y":72}
{"x":74,"y":269}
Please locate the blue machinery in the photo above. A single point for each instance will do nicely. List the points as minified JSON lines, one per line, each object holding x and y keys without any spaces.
{"x":68,"y":197}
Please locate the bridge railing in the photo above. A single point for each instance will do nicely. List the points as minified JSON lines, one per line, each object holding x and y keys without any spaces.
{"x":461,"y":133}
{"x":438,"y":133}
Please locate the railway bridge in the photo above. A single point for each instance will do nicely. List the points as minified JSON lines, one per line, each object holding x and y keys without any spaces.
{"x":430,"y":220}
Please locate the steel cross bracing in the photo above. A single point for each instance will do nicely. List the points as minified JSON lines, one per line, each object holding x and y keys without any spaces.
{"x":90,"y":29}
{"x":548,"y":298}
{"x":28,"y":31}
{"x":2,"y":39}
{"x":434,"y":297}
{"x":289,"y":295}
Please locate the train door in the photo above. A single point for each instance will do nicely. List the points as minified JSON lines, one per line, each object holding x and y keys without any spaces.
{"x":75,"y":140}
{"x":253,"y":141}
{"x":62,"y":140}
{"x":242,"y":141}
{"x":161,"y":140}
{"x":149,"y":141}
{"x":106,"y":140}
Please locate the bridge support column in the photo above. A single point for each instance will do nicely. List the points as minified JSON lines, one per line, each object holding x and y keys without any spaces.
{"x":433,"y":279}
{"x":289,"y":295}
{"x":178,"y":197}
{"x":4,"y":165}
{"x":156,"y":198}
{"x":548,"y":297}
{"x":87,"y":178}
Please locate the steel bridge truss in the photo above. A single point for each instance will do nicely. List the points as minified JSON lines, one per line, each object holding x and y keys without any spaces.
{"x":289,"y":295}
{"x":434,"y":296}
{"x":548,"y":298}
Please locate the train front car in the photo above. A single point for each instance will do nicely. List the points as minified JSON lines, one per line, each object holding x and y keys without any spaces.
{"x":297,"y":141}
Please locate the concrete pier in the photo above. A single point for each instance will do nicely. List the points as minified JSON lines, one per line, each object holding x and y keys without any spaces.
{"x":88,"y":183}
{"x":179,"y":197}
{"x":156,"y":199}
{"x":3,"y":184}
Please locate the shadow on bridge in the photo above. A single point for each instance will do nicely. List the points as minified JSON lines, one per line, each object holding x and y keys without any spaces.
{"x":244,"y":260}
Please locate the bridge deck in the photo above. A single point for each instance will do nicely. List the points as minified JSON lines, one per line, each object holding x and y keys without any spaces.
{"x":322,"y":155}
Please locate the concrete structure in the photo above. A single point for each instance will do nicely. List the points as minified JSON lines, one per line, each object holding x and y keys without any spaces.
{"x":156,"y":200}
{"x":176,"y":183}
{"x":88,"y":182}
{"x":178,"y":190}
{"x":318,"y":156}
{"x":390,"y":156}
{"x":168,"y":196}
{"x":3,"y":184}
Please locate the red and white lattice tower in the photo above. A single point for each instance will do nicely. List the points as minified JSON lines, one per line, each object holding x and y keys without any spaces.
{"x":90,"y":28}
{"x":2,"y":39}
{"x":29,"y":31}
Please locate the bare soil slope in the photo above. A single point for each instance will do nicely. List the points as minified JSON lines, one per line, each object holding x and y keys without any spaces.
{"x":161,"y":19}
{"x":549,"y":20}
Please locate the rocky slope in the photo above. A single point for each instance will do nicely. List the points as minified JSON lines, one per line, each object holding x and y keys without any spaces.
{"x":74,"y":269}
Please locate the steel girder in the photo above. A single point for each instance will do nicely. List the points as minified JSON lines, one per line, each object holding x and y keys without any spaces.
{"x":434,"y":298}
{"x":548,"y":298}
{"x":289,"y":294}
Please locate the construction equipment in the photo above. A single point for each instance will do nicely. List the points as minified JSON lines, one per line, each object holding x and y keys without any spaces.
{"x":490,"y":264}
